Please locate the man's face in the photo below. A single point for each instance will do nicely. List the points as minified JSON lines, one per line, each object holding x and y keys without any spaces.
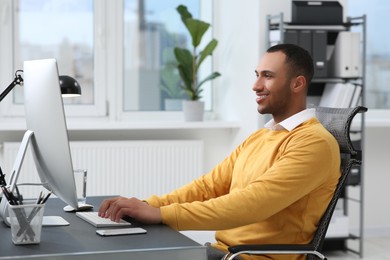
{"x":272,"y":86}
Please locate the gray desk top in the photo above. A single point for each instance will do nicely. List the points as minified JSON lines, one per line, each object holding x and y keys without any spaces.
{"x":79,"y":241}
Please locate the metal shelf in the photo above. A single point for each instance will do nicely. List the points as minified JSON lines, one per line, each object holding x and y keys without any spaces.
{"x":276,"y":28}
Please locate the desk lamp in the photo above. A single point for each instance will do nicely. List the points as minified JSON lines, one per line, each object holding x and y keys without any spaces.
{"x":69,"y":86}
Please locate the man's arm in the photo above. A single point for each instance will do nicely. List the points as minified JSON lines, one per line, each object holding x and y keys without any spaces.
{"x":308,"y":165}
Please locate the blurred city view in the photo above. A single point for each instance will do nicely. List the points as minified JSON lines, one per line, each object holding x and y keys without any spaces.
{"x":65,"y":30}
{"x":378,"y":53}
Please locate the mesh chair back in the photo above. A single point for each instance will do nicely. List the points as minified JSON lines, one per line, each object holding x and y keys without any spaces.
{"x":337,"y":121}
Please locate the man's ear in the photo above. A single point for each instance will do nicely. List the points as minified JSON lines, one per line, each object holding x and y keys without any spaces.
{"x":298,"y":84}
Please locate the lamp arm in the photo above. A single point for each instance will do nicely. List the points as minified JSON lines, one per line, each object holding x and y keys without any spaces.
{"x":17,"y":81}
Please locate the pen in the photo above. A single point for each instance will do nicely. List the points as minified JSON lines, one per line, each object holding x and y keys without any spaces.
{"x":5,"y":192}
{"x":46,"y":198}
{"x":2,"y":179}
{"x":10,"y":197}
{"x":39,"y":198}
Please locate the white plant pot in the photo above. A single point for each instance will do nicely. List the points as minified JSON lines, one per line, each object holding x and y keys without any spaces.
{"x":193,"y":110}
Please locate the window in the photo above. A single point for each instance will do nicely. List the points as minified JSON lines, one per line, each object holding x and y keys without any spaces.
{"x":151,"y":30}
{"x":116,"y":49}
{"x":378,"y":53}
{"x":63,"y":30}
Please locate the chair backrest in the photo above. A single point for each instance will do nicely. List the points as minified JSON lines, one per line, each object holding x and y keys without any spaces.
{"x":338,"y":122}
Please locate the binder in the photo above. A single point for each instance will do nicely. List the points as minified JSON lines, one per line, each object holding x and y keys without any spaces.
{"x":348,"y":95}
{"x":339,"y":95}
{"x":319,"y":54}
{"x":305,"y":40}
{"x":356,"y":96}
{"x":291,"y":36}
{"x":356,"y":55}
{"x":332,"y":95}
{"x":345,"y":61}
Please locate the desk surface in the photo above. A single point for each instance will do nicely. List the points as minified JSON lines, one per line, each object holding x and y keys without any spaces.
{"x":79,"y":241}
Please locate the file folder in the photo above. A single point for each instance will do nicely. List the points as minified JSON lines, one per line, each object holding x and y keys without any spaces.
{"x":345,"y":61}
{"x":291,"y":36}
{"x":319,"y":47}
{"x":305,"y":40}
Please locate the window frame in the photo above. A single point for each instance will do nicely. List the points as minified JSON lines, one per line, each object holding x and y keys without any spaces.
{"x":108,"y":66}
{"x":7,"y":50}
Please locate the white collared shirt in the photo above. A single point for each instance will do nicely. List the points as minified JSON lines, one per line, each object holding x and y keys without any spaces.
{"x":293,"y":121}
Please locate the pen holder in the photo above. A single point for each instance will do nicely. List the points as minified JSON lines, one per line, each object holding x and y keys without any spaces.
{"x":26,"y":223}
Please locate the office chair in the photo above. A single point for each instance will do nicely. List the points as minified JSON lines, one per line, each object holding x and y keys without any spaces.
{"x":337,"y":121}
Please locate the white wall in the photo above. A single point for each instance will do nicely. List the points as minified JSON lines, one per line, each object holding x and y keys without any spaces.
{"x":377,"y":181}
{"x":240,"y":29}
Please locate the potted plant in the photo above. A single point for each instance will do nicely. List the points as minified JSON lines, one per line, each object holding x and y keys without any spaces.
{"x":189,"y":62}
{"x":170,"y":82}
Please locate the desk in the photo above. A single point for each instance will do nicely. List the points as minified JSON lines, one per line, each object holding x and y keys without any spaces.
{"x":79,"y":241}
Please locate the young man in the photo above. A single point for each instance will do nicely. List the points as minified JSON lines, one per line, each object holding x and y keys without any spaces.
{"x":275,"y":186}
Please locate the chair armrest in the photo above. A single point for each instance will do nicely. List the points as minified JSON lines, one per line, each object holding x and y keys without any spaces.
{"x":270,"y":247}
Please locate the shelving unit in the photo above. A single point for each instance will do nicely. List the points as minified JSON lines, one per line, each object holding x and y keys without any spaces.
{"x":278,"y":31}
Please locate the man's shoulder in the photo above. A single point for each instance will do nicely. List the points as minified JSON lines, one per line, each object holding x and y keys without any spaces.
{"x":314,"y":129}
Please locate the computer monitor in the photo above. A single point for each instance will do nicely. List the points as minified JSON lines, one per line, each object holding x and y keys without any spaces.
{"x":45,"y":117}
{"x":46,"y":131}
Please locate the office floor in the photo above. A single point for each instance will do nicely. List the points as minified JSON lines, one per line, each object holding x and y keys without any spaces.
{"x":375,"y":248}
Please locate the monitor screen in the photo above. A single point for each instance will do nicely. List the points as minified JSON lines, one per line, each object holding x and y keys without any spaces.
{"x":45,"y":117}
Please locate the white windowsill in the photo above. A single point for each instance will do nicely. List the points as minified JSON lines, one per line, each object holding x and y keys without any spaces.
{"x":18,"y":124}
{"x":100,"y":129}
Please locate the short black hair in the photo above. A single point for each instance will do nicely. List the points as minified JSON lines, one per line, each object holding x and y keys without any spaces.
{"x":299,"y":59}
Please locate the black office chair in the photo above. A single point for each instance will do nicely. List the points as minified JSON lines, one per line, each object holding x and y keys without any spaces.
{"x":337,"y":121}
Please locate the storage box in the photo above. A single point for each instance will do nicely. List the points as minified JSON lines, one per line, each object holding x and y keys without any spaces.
{"x":317,"y":13}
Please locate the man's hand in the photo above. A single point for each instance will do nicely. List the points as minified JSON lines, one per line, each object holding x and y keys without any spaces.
{"x":118,"y":207}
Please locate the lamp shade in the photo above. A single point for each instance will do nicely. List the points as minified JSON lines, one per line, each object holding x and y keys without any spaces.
{"x":69,"y":86}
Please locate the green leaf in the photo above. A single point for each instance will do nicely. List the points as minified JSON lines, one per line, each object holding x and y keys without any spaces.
{"x":170,"y":80}
{"x":185,"y":58}
{"x":210,"y":77}
{"x":208,"y":50}
{"x":185,"y":76}
{"x":197,"y":29}
{"x":184,"y":14}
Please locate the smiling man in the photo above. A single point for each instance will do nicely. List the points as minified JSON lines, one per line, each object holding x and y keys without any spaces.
{"x":274,"y":187}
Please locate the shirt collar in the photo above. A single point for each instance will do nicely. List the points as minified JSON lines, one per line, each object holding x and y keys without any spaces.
{"x":293,"y":121}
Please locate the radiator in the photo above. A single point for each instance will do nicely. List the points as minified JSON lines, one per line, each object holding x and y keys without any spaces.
{"x":128,"y":168}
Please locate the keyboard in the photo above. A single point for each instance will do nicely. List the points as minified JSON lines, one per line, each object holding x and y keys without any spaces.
{"x":93,"y":219}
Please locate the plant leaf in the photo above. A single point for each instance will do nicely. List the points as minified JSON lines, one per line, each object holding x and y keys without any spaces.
{"x":197,"y":29}
{"x":208,"y":50}
{"x":184,"y":58}
{"x":186,"y":77}
{"x":184,"y":13}
{"x":210,"y":77}
{"x":170,"y":80}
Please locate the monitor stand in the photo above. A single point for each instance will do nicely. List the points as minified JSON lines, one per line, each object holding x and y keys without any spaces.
{"x":47,"y":220}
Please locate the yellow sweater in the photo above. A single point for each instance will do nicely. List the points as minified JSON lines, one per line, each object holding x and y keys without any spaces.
{"x":272,"y":189}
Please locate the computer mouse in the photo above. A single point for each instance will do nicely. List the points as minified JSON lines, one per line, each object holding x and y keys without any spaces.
{"x":82,"y":207}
